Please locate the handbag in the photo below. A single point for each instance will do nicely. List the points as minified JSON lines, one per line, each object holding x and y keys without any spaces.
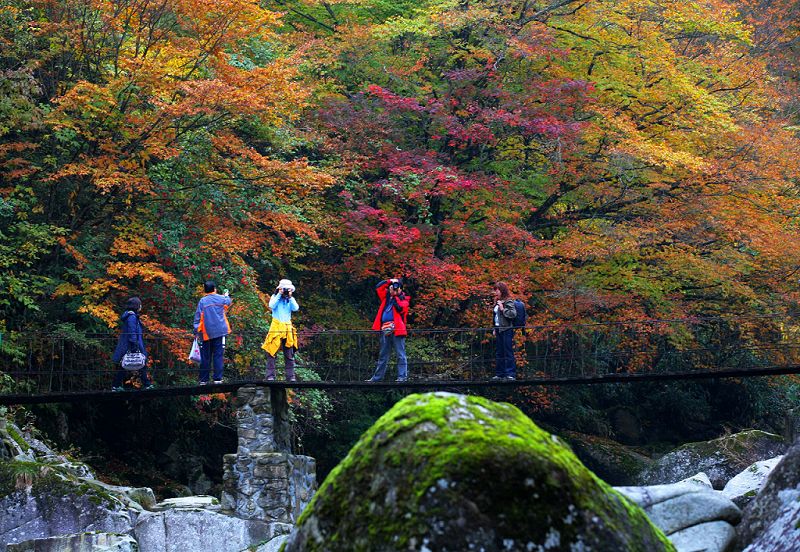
{"x":387,"y":328}
{"x":194,"y":353}
{"x":133,"y":361}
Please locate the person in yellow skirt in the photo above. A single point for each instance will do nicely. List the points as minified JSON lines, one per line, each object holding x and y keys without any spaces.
{"x":281,"y":334}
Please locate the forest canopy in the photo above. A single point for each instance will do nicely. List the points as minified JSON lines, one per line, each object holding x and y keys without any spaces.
{"x":612,"y":160}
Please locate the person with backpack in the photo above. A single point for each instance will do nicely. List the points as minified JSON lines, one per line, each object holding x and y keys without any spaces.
{"x":131,"y":340}
{"x":211,"y":326}
{"x":504,"y":313}
{"x":391,"y":321}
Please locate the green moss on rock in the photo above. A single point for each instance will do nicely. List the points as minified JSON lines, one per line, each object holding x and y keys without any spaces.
{"x":17,"y":438}
{"x":451,"y":472}
{"x":49,"y":481}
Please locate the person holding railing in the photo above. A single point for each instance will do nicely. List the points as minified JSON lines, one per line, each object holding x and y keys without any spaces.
{"x":131,"y":340}
{"x":282,"y":334}
{"x":211,"y":326}
{"x":504,"y":313}
{"x":391,"y":321}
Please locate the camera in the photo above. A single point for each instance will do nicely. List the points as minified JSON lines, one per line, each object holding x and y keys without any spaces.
{"x":396,"y":285}
{"x":284,"y":291}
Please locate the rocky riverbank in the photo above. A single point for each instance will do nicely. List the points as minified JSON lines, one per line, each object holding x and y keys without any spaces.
{"x":437,"y":472}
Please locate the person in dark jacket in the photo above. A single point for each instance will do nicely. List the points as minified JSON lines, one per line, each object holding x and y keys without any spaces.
{"x":391,"y":321}
{"x":504,"y":313}
{"x":211,"y":326}
{"x":131,"y":340}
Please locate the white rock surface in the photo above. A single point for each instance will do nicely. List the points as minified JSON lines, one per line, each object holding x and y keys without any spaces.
{"x":693,"y":509}
{"x":204,"y":502}
{"x":96,"y":542}
{"x":272,"y":546}
{"x":744,"y":486}
{"x":714,"y":536}
{"x":700,"y":479}
{"x":647,"y":496}
{"x":199,"y":530}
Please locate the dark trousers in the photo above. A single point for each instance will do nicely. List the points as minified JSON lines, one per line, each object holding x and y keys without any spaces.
{"x":119,"y":377}
{"x":288,"y":358}
{"x":211,"y":354}
{"x":504,"y":354}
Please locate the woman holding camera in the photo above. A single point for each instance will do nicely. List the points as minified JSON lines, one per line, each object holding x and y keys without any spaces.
{"x":281,"y":335}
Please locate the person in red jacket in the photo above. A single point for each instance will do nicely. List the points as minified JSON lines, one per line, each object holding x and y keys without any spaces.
{"x":391,"y":322}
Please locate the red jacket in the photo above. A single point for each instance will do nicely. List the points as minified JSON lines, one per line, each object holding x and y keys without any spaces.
{"x":399,"y":317}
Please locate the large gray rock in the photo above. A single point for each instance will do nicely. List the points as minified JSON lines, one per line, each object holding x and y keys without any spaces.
{"x":199,"y":530}
{"x":771,"y":521}
{"x":39,"y":501}
{"x":783,"y":535}
{"x":714,"y":536}
{"x":84,"y":542}
{"x":744,"y":486}
{"x":450,"y":472}
{"x":43,"y":494}
{"x":721,"y":459}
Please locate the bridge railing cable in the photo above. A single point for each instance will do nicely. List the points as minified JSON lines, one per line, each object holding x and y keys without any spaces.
{"x":42,"y":363}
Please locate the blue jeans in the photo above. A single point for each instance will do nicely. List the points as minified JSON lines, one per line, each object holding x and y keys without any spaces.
{"x":504,"y":354}
{"x":211,"y":353}
{"x":399,"y":344}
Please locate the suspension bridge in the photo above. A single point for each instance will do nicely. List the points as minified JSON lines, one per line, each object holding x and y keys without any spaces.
{"x":60,"y":367}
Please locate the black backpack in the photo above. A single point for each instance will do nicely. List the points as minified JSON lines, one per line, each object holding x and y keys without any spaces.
{"x":522,"y":317}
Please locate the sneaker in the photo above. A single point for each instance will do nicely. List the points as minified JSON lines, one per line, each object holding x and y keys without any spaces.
{"x":117,"y":389}
{"x":151,"y":386}
{"x":497,"y":378}
{"x":371,"y":380}
{"x":401,"y":380}
{"x":269,"y":378}
{"x":217,"y":382}
{"x":203,"y":383}
{"x":511,"y":378}
{"x":293,"y":378}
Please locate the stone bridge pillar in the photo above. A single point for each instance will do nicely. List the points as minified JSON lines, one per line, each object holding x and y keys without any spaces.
{"x":264,"y":480}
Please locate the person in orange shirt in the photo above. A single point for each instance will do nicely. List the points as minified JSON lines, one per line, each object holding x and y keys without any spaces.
{"x":211,"y":326}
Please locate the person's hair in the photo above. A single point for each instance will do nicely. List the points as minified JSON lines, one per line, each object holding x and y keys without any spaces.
{"x":209,"y":286}
{"x":133,"y":304}
{"x":503,"y":288}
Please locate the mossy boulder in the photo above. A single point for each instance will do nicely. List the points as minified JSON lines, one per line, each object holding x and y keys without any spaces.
{"x":613,"y":462}
{"x":721,"y":459}
{"x":450,"y":472}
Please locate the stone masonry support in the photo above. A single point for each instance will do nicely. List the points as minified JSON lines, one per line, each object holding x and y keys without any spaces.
{"x":264,"y":480}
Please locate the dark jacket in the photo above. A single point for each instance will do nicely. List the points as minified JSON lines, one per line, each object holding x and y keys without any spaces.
{"x":130,"y":337}
{"x":400,"y":309}
{"x":506,"y":315}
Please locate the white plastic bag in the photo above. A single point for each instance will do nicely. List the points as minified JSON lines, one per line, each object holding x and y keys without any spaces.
{"x":194,"y":354}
